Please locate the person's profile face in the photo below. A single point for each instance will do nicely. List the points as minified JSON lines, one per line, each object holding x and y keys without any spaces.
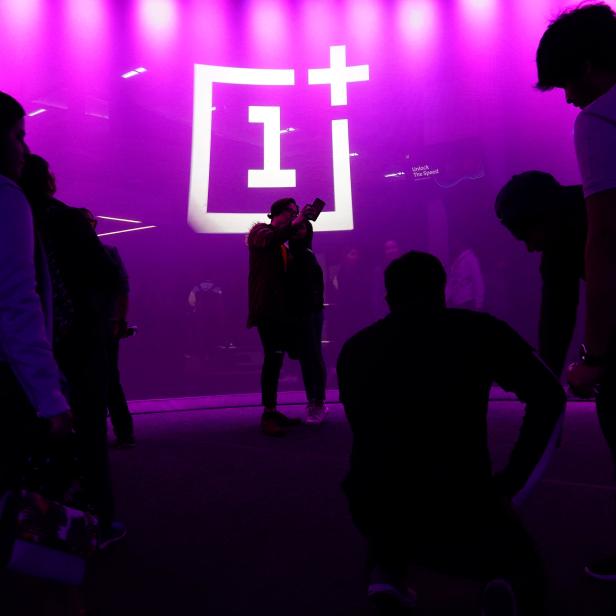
{"x":14,"y":151}
{"x":287,"y":216}
{"x":576,"y":94}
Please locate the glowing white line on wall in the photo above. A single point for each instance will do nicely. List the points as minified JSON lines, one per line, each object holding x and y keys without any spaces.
{"x":37,"y":112}
{"x":338,"y":75}
{"x":126,"y":230}
{"x":137,"y":222}
{"x":271,"y":176}
{"x":134,"y":73}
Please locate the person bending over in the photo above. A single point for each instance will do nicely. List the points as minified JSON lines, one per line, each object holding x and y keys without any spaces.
{"x":415,"y":387}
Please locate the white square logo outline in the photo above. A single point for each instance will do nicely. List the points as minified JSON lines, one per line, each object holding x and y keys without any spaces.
{"x":202,"y":221}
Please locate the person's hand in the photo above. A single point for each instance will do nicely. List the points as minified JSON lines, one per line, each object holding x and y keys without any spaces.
{"x":61,"y":426}
{"x":305,"y":213}
{"x":583,"y":379}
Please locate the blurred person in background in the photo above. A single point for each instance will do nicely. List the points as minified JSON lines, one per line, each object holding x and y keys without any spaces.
{"x":82,"y":278}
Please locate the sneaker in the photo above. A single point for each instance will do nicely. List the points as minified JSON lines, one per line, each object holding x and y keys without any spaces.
{"x":116,"y":532}
{"x":498,"y":599}
{"x":316,"y":414}
{"x":604,"y":569}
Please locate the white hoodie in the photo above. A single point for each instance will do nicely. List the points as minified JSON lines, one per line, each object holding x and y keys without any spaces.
{"x":595,"y":144}
{"x":24,"y":333}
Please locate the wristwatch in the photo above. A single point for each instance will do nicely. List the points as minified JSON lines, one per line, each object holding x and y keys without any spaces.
{"x":596,"y":361}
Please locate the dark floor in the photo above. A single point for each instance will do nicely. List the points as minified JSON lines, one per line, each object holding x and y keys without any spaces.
{"x":225,"y":521}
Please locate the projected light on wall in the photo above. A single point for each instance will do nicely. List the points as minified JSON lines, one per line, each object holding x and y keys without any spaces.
{"x":337,"y":77}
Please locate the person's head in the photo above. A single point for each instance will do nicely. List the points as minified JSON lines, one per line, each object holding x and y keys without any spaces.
{"x":415,"y":282}
{"x":37,"y":181}
{"x":283,"y":212}
{"x":13,"y":147}
{"x":391,"y":250}
{"x":525,"y":204}
{"x":578,"y":53}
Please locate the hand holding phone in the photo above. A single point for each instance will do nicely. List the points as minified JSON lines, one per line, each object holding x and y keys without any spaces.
{"x":313,"y":211}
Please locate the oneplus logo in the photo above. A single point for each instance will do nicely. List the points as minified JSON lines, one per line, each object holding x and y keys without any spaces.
{"x":337,"y":76}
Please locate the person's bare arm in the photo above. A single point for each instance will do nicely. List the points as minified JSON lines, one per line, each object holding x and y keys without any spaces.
{"x":600,"y":293}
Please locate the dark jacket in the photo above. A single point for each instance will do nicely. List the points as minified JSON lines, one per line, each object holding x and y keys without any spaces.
{"x":306,"y":285}
{"x":268,"y":270}
{"x":83,"y":274}
{"x":562,"y":269}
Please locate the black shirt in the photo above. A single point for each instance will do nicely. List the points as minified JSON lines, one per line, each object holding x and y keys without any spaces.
{"x":562,"y":269}
{"x":416,"y":395}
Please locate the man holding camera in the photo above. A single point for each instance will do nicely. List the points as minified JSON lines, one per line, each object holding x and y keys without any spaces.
{"x":268,"y":300}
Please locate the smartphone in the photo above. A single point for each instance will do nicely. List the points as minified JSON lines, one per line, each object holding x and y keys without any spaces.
{"x":316,"y":208}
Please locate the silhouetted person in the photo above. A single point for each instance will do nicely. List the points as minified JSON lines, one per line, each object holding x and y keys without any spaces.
{"x":82,"y":278}
{"x":268,"y":303}
{"x":550,"y":219}
{"x":115,"y":311}
{"x":306,"y":306}
{"x":30,"y":381}
{"x":578,"y":53}
{"x":415,"y":387}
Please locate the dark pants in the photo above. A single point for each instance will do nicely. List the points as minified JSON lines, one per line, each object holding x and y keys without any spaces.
{"x":311,"y":356}
{"x":121,"y":419}
{"x":274,"y":344}
{"x":19,"y":433}
{"x":83,"y":360}
{"x":606,"y":410}
{"x":483,"y":543}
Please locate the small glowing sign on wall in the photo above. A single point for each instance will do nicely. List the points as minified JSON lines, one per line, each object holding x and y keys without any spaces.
{"x":338,"y":75}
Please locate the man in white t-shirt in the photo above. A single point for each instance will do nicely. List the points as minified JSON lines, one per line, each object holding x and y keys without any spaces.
{"x":578,"y":53}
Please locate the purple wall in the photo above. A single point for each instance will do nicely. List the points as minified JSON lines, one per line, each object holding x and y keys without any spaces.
{"x":451,"y":86}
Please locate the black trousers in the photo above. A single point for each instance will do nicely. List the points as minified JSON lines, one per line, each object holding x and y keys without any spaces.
{"x":303,"y":334}
{"x":483,"y":542}
{"x":274,"y":342}
{"x":311,"y":355}
{"x":121,"y":419}
{"x":20,"y":431}
{"x":83,"y":360}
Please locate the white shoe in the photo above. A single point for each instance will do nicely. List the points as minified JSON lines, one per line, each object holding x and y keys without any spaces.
{"x":316,"y":414}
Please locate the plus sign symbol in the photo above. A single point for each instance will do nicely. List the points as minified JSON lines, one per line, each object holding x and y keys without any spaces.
{"x":338,"y":76}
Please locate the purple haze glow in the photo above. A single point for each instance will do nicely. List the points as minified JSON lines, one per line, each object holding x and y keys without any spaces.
{"x":451,"y":86}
